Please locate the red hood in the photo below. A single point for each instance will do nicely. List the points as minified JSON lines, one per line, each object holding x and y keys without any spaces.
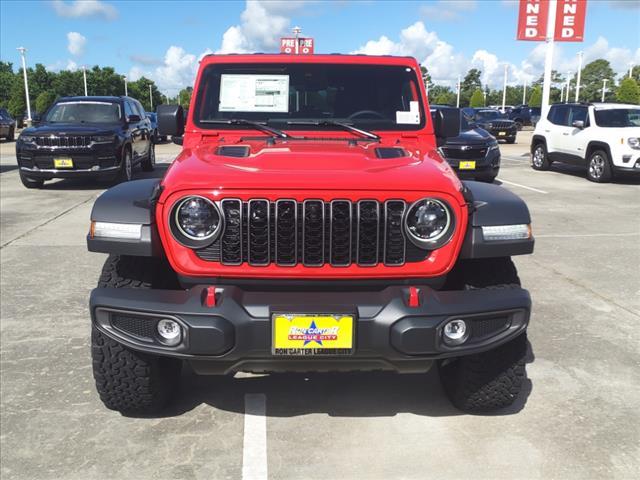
{"x":310,"y":165}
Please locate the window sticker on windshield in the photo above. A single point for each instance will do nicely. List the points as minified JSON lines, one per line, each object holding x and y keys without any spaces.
{"x":254,"y":93}
{"x":412,"y":117}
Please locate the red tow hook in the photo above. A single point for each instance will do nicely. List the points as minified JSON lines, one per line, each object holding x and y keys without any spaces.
{"x":414,"y":298}
{"x":209,"y":299}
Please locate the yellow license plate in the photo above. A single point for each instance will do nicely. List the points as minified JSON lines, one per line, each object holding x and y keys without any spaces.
{"x":502,"y":134}
{"x":467,"y":165}
{"x":306,"y":334}
{"x":62,"y":163}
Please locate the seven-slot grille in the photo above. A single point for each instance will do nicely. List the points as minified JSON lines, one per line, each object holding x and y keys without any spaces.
{"x":77,"y":141}
{"x":312,"y":233}
{"x":498,"y":125}
{"x":471,"y":153}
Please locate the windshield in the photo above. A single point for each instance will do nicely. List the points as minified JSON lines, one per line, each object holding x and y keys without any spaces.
{"x":376,"y":97}
{"x":84,"y":112}
{"x":488,"y":115}
{"x":618,"y":117}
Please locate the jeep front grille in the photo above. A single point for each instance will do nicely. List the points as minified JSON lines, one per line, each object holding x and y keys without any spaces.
{"x":312,"y":233}
{"x":75,"y":141}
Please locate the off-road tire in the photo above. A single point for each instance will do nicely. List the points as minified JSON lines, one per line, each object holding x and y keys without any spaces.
{"x":487,"y":381}
{"x":490,"y":380}
{"x":129,"y":381}
{"x":149,"y":163}
{"x":541,"y":162}
{"x":600,"y":172}
{"x":30,"y":182}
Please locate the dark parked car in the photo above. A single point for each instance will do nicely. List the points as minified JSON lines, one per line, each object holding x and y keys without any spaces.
{"x":474,"y":154}
{"x":100,"y":137}
{"x":493,"y":122}
{"x":7,"y":125}
{"x":525,"y":115}
{"x":153,"y":118}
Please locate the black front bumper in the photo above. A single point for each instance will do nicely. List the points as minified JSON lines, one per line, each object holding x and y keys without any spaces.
{"x":236,"y":333}
{"x":96,"y":161}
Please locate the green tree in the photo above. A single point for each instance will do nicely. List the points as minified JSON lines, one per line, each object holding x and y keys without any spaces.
{"x":44,"y":101}
{"x":635,"y":74}
{"x":628,"y":91}
{"x":477,"y":99}
{"x":184,"y":97}
{"x":67,"y":83}
{"x":469,"y":85}
{"x":535,"y":100}
{"x":426,"y":78}
{"x":591,"y":80}
{"x":445,"y":98}
{"x":140,"y":91}
{"x":7,"y":79}
{"x":17,"y":104}
{"x":104,"y":81}
{"x":39,"y":80}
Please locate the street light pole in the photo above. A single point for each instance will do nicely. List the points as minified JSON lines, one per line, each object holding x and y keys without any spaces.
{"x":524,"y":92}
{"x":150,"y":97}
{"x":504,"y":88}
{"x":630,"y":69}
{"x":568,"y":85}
{"x":84,"y":76}
{"x":562,"y":93}
{"x":22,"y":51}
{"x":126,"y":90}
{"x":458,"y":99}
{"x":604,"y":87}
{"x":579,"y":75}
{"x":548,"y":59}
{"x":296,"y":32}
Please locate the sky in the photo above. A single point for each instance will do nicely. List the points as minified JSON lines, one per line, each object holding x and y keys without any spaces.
{"x":164,"y":40}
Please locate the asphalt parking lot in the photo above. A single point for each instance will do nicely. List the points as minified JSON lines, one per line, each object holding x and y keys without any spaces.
{"x":580,"y":418}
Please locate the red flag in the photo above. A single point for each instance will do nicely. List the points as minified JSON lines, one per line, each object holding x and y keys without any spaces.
{"x":570,"y":17}
{"x":532,"y":20}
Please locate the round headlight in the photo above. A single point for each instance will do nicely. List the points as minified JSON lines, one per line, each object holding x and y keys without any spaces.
{"x":196,"y":221}
{"x":429,"y":223}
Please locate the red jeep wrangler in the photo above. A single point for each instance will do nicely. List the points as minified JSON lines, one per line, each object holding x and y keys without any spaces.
{"x":309,"y":224}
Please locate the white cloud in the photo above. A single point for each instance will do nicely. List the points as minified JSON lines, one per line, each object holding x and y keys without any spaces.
{"x":76,"y":44}
{"x":85,"y":8}
{"x":262,"y":23}
{"x":62,"y":65}
{"x":447,"y":10}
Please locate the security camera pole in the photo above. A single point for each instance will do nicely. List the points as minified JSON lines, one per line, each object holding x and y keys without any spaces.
{"x":84,"y":75}
{"x":22,"y":51}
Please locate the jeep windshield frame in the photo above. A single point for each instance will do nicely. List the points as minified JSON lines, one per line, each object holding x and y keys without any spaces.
{"x":320,"y":96}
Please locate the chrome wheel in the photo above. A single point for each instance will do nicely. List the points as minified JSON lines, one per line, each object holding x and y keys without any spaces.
{"x":538,"y":157}
{"x":128,"y":169}
{"x":596,"y":166}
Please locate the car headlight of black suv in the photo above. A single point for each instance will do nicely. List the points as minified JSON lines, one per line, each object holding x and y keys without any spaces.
{"x":429,"y":223}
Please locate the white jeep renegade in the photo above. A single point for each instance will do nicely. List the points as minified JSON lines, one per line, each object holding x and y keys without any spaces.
{"x":604,"y":137}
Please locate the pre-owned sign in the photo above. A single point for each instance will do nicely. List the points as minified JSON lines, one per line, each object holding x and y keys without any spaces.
{"x":570,"y":16}
{"x":532,"y":20}
{"x":304,"y":45}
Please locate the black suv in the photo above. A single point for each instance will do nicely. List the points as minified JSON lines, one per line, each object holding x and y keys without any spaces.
{"x":493,"y":122}
{"x":474,"y":154}
{"x":7,"y":125}
{"x":524,"y":115}
{"x":100,"y":137}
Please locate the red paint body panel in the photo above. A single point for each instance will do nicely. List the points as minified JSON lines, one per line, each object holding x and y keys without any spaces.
{"x":322,"y":169}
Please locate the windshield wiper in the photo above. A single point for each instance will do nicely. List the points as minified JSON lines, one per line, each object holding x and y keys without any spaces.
{"x":258,"y":126}
{"x":333,"y":123}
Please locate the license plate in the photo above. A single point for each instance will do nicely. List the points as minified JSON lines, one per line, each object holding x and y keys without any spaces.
{"x":467,"y":165}
{"x":502,"y":134}
{"x":62,"y":163}
{"x":302,"y":334}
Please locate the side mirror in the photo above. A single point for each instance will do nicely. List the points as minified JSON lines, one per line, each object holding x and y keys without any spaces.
{"x":170,"y":120}
{"x":177,"y":140}
{"x":37,"y":118}
{"x":578,"y":124}
{"x":446,"y":122}
{"x":133,"y":118}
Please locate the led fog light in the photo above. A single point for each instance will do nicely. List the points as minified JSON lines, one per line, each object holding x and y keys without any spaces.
{"x":170,"y":331}
{"x":455,"y":332}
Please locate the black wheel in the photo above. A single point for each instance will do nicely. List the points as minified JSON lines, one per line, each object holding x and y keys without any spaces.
{"x":126,"y":167}
{"x":511,"y":140}
{"x":519,"y":124}
{"x":599,"y":167}
{"x":129,"y":381}
{"x":490,"y":380}
{"x":31,"y":182}
{"x":149,"y":163}
{"x":539,"y":157}
{"x":12,"y":134}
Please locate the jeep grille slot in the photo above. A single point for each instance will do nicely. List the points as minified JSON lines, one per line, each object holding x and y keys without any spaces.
{"x":259,"y":222}
{"x":313,"y":233}
{"x":394,"y":241}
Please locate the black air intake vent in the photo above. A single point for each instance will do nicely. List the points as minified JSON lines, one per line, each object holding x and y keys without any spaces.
{"x":237,"y":151}
{"x":391,"y":152}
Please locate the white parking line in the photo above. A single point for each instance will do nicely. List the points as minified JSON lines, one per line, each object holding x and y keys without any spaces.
{"x":590,"y":235}
{"x":522,"y":186}
{"x":254,"y":450}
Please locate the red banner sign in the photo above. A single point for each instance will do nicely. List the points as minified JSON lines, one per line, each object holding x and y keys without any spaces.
{"x":570,"y":17}
{"x":532,"y":20}
{"x":288,"y":45}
